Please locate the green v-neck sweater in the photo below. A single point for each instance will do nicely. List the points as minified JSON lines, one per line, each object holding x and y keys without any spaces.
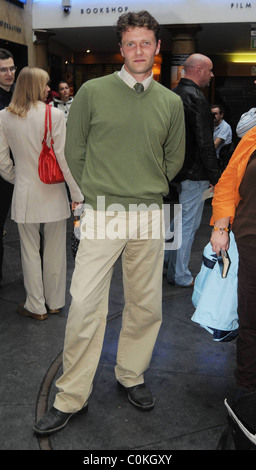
{"x":123,"y":145}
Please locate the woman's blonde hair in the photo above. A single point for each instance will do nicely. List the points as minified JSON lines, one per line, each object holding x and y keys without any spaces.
{"x":29,"y":89}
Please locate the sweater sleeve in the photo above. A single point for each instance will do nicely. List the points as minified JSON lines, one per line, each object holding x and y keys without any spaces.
{"x":59,"y":132}
{"x":77,"y":132}
{"x":174,"y":148}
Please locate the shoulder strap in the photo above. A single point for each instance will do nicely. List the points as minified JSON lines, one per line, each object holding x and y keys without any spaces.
{"x":48,"y":114}
{"x":50,"y":118}
{"x":45,"y":124}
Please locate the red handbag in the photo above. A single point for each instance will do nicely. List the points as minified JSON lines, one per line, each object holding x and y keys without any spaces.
{"x":48,"y":168}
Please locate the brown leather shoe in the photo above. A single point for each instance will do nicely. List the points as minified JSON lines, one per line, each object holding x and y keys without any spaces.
{"x":21,"y":310}
{"x":54,"y":310}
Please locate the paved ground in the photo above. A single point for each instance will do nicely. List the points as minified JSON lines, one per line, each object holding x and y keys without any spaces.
{"x":190,"y":375}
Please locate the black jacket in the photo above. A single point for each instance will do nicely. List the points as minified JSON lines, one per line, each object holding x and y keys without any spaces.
{"x":201,"y":161}
{"x":5,"y":97}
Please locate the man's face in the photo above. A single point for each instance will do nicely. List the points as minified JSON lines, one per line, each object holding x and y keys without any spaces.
{"x":6,"y":76}
{"x":206,"y":73}
{"x":139,"y":49}
{"x":64,"y":91}
{"x":218,"y":116}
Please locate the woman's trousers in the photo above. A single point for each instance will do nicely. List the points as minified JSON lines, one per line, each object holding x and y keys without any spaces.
{"x":43,"y":259}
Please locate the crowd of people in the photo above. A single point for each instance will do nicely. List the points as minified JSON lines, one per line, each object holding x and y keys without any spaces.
{"x":115,"y":161}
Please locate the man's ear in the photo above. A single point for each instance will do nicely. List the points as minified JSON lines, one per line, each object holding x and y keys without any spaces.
{"x":158,"y":47}
{"x":121,"y":50}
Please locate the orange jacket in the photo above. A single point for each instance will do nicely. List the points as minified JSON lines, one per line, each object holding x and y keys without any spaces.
{"x":226,"y":192}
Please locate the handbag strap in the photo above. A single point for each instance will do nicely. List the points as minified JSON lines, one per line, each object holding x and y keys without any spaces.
{"x":48,"y":114}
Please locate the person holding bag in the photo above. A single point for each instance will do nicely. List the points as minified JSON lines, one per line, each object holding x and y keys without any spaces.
{"x":34,"y":203}
{"x":234,"y":206}
{"x":215,"y":294}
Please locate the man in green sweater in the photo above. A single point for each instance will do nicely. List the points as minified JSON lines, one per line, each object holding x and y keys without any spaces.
{"x":123,"y":146}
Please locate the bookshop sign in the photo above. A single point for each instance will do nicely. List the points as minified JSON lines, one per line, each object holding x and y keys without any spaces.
{"x":95,"y":11}
{"x":82,"y":13}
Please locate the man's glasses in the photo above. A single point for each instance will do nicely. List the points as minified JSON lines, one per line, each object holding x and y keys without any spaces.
{"x":8,"y":69}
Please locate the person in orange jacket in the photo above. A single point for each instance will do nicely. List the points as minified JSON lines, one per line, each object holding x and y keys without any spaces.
{"x":234,"y":206}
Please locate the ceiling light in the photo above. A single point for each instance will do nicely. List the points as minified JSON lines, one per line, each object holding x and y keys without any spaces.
{"x":244,"y":58}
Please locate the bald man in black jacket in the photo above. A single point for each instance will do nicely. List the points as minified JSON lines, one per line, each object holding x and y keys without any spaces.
{"x":201,"y":167}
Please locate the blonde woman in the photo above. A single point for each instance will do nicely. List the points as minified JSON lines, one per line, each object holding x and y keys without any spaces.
{"x":34,"y":203}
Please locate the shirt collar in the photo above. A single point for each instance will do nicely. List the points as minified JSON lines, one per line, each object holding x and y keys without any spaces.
{"x":130,"y":80}
{"x":217,"y":127}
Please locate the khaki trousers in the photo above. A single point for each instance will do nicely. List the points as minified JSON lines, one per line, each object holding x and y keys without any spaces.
{"x":142,"y":262}
{"x":44,"y":276}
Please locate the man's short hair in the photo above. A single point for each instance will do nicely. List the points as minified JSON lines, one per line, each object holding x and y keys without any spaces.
{"x":218,"y":106}
{"x":5,"y":54}
{"x":141,"y":19}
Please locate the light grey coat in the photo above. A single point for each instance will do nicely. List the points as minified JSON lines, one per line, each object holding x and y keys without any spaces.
{"x":33,"y":201}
